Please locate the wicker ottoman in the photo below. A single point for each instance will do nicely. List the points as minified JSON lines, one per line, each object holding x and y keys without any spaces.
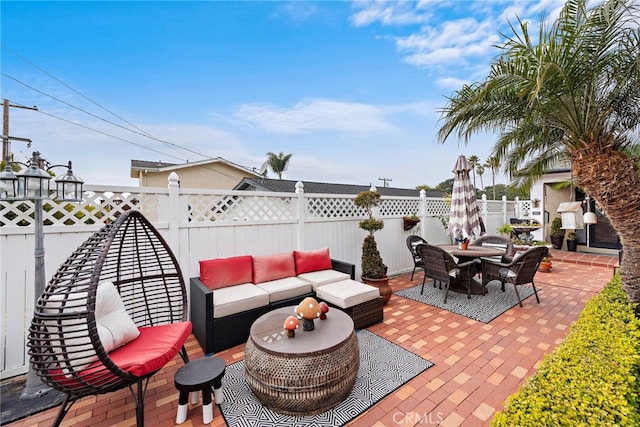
{"x":305,"y":375}
{"x":360,"y":301}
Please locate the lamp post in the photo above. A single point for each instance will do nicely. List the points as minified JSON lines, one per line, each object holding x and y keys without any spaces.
{"x":33,"y":184}
{"x":589,"y":218}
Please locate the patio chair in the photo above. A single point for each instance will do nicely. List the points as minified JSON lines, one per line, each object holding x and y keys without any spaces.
{"x":443,"y":267}
{"x":112,"y":315}
{"x":520,"y":271}
{"x":495,"y":241}
{"x":412,"y":242}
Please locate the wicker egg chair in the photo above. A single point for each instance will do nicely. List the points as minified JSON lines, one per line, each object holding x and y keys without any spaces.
{"x":67,"y":339}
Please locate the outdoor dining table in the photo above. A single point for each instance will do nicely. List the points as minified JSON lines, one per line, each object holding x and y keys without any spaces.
{"x":472,"y":252}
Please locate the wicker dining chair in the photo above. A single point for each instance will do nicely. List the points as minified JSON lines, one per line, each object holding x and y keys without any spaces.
{"x":495,"y":241}
{"x":520,"y":271}
{"x":412,"y":242}
{"x":441,"y":266}
{"x":123,"y":278}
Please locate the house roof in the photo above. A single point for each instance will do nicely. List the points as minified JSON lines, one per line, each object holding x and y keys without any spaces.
{"x":289,"y":186}
{"x":138,"y":165}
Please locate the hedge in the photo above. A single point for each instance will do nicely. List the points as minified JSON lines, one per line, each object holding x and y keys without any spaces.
{"x":592,"y":378}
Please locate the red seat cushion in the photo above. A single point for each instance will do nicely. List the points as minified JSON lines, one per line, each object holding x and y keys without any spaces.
{"x":154,"y":348}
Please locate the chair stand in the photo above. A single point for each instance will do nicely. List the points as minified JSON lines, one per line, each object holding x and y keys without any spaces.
{"x":434,"y":284}
{"x":64,"y":408}
{"x":535,"y":291}
{"x":141,"y":389}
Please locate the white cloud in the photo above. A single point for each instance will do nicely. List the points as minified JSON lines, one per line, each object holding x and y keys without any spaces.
{"x":299,"y":11}
{"x":443,"y":40}
{"x":388,"y":13}
{"x":451,"y":83}
{"x":453,"y":42}
{"x":316,"y":115}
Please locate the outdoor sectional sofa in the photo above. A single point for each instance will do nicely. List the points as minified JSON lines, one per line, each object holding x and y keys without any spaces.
{"x":231,"y":293}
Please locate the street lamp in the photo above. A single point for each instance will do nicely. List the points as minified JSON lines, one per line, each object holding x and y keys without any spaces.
{"x":33,"y":184}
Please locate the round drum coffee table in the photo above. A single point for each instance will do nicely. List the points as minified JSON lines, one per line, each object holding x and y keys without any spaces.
{"x":305,"y":375}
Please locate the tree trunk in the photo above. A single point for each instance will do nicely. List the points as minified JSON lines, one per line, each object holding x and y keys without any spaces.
{"x":609,"y":176}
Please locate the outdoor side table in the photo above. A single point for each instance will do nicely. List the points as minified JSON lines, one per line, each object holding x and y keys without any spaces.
{"x":200,"y":375}
{"x":305,"y":375}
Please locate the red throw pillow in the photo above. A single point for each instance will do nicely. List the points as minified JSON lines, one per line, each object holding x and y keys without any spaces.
{"x":273,"y":267}
{"x":307,"y":261}
{"x":223,"y":272}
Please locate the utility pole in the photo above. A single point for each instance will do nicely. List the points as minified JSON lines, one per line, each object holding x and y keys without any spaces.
{"x":6,"y":138}
{"x":385,"y":181}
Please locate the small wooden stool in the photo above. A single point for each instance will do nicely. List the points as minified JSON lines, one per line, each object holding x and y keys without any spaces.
{"x":200,"y":375}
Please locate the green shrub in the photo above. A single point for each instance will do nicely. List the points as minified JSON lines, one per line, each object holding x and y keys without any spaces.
{"x":593,"y":378}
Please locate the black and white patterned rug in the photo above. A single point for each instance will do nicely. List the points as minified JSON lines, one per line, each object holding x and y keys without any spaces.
{"x":483,"y":308}
{"x":384,"y":367}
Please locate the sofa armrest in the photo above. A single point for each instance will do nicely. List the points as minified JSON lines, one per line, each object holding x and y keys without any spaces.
{"x":344,"y":267}
{"x":202,"y":314}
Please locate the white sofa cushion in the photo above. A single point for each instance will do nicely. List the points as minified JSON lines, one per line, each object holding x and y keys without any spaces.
{"x":324,"y":277}
{"x":238,"y":298}
{"x":347,"y":293}
{"x":288,"y":287}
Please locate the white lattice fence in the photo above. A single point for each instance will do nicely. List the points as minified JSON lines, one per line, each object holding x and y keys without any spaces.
{"x":241,"y":207}
{"x":438,"y":207}
{"x":399,"y":206}
{"x":319,"y":206}
{"x":97,"y":207}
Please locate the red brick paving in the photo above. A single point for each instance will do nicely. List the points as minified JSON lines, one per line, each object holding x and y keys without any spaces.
{"x":477,"y":365}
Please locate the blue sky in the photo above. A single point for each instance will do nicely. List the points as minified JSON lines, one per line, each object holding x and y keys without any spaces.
{"x":351,"y":89}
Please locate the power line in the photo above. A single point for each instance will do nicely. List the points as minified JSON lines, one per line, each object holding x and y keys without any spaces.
{"x":107,"y":134}
{"x":131,"y":142}
{"x":71,"y":88}
{"x":141,"y":133}
{"x":135,"y":143}
{"x":385,"y":181}
{"x":138,"y":131}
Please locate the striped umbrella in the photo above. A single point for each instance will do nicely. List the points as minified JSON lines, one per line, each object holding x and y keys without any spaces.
{"x":464,"y":218}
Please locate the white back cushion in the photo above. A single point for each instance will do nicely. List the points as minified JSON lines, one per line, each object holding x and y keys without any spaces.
{"x":112,"y":317}
{"x":115,"y":327}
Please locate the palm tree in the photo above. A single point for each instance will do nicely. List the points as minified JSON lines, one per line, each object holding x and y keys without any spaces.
{"x":278,"y":162}
{"x":474,"y":161}
{"x":494,"y":164}
{"x":572,"y":96}
{"x":480,"y":172}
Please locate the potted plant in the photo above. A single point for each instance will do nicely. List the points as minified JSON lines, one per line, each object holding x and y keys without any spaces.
{"x":505,"y":230}
{"x":410,"y":221}
{"x":557,"y":233}
{"x":572,"y":242}
{"x":463,"y":242}
{"x":373,"y":270}
{"x":545,"y":264}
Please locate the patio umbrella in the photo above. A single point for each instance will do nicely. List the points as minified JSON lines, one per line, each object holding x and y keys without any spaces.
{"x":464,"y":218}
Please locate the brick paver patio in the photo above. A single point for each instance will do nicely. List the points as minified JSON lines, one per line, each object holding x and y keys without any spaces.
{"x":477,"y":365}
